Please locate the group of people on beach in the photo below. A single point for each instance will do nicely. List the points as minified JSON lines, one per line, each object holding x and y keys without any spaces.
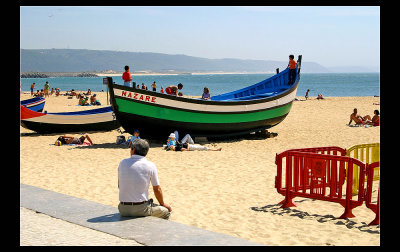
{"x":171,"y":89}
{"x":45,"y":92}
{"x":364,"y":120}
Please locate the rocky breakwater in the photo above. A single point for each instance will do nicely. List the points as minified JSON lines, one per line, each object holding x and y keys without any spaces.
{"x":61,"y":74}
{"x":34,"y":75}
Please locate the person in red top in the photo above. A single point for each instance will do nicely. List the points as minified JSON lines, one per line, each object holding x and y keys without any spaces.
{"x":173,"y":90}
{"x":374,"y":120}
{"x":126,"y":76}
{"x":292,"y":69}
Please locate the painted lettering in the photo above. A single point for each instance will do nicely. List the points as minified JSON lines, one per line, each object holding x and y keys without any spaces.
{"x":135,"y":97}
{"x":147,"y":98}
{"x":123,"y":93}
{"x":153,"y":99}
{"x":141,"y":97}
{"x":130,"y":95}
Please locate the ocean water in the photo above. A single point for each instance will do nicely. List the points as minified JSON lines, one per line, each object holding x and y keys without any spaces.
{"x":328,"y":84}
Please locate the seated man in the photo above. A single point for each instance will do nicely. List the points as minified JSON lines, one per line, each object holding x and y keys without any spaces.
{"x":359,"y":120}
{"x":134,"y":177}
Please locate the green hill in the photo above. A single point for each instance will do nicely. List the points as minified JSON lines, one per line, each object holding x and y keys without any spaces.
{"x":82,"y":60}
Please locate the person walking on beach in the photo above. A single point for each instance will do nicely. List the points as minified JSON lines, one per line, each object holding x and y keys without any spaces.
{"x":126,"y":76}
{"x":32,"y":88}
{"x":46,"y":89}
{"x":292,"y":69}
{"x":308,"y":90}
{"x":134,"y":177}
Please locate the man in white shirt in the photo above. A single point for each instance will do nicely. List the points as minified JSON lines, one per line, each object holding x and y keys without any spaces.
{"x":134,"y":177}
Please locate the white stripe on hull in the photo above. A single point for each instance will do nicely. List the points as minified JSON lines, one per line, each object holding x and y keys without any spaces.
{"x":73,"y":119}
{"x":205,"y":107}
{"x":34,"y":104}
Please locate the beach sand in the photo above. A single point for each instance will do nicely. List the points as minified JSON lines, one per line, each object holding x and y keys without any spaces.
{"x":231,"y":191}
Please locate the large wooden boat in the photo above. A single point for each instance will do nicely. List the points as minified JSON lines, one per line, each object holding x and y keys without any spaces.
{"x":101,"y":119}
{"x":250,"y":109}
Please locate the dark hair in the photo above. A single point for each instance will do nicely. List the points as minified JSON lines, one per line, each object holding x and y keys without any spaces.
{"x":141,"y":147}
{"x":126,"y":68}
{"x":62,"y":140}
{"x":180,"y":85}
{"x":82,"y":138}
{"x":376,"y":112}
{"x":291,"y":56}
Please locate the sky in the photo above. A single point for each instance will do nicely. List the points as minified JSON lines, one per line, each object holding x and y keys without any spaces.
{"x":329,"y":35}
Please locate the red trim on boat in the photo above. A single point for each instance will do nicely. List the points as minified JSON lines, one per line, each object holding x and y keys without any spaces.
{"x":27,"y":113}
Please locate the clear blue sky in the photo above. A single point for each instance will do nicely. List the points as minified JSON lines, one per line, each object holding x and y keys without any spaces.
{"x":330,"y":36}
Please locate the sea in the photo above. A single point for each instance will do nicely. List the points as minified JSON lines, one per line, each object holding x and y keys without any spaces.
{"x":328,"y":84}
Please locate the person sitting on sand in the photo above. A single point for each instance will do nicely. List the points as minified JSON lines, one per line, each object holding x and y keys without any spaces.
{"x":187,"y":144}
{"x":206,"y":94}
{"x":135,"y":136}
{"x":357,"y":118}
{"x":320,"y":97}
{"x":94,"y":101}
{"x":75,"y":140}
{"x":144,"y":87}
{"x":374,"y":121}
{"x":162,"y":90}
{"x":83,"y":101}
{"x":171,"y":142}
{"x":134,"y":177}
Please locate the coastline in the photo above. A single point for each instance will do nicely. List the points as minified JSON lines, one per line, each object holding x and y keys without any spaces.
{"x":113,"y":73}
{"x":231,"y":191}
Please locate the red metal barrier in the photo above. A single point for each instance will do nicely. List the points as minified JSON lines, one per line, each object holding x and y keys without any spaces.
{"x":330,"y":150}
{"x":312,"y":175}
{"x":368,"y":196}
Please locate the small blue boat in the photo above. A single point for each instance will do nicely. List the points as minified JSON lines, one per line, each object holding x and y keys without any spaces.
{"x":35,"y":104}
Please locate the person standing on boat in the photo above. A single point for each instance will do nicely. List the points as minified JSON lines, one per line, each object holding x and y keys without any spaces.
{"x":126,"y":76}
{"x":134,"y":177}
{"x":292,"y":69}
{"x":154,"y":86}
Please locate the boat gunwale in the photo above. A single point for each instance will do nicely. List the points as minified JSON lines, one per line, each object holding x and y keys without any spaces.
{"x":200,"y":101}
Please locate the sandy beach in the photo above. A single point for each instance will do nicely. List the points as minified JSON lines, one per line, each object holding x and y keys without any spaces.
{"x":231,"y":191}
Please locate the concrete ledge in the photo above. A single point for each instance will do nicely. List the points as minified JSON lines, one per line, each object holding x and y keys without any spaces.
{"x":148,"y":231}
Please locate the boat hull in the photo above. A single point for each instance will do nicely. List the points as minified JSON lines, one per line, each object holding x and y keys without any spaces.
{"x":83,"y":121}
{"x":35,"y":104}
{"x":156,"y":115}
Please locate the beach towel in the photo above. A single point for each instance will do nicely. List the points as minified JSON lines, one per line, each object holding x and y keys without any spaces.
{"x":72,"y":144}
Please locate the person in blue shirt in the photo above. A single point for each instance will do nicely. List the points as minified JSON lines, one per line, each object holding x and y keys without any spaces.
{"x":134,"y":137}
{"x":171,"y":142}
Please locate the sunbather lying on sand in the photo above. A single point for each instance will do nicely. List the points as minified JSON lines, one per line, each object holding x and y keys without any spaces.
{"x":75,"y":140}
